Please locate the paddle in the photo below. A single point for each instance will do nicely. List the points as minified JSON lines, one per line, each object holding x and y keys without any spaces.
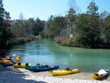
{"x":13,"y":55}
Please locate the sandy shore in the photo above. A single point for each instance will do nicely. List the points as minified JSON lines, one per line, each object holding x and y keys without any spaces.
{"x":20,"y":75}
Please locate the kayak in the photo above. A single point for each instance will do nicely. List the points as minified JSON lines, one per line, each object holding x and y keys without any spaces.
{"x":21,"y":65}
{"x":5,"y":60}
{"x":17,"y":59}
{"x":43,"y":68}
{"x":9,"y":63}
{"x":63,"y":72}
{"x":96,"y":76}
{"x":26,"y":67}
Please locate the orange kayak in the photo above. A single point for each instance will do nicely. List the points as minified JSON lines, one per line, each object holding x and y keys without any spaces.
{"x":17,"y":59}
{"x":8,"y":60}
{"x":4,"y":61}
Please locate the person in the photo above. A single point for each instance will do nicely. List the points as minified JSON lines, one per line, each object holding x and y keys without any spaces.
{"x":19,"y":63}
{"x":67,"y":68}
{"x":46,"y":65}
{"x":27,"y":64}
{"x":8,"y":57}
{"x":102,"y":72}
{"x":37,"y":64}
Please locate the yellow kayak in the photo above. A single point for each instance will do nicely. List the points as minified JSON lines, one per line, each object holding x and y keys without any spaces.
{"x":96,"y":76}
{"x":17,"y":59}
{"x":21,"y":65}
{"x":2,"y":61}
{"x":63,"y":72}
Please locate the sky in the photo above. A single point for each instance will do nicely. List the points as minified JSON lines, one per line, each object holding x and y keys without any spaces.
{"x":43,"y":9}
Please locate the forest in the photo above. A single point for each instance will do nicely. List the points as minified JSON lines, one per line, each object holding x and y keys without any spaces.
{"x":87,"y":30}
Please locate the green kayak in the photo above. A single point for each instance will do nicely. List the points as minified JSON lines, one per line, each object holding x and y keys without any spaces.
{"x":26,"y":67}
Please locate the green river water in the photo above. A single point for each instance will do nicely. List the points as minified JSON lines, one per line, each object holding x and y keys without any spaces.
{"x":46,"y":51}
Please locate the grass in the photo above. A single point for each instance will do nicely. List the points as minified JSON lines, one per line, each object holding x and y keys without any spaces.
{"x":65,"y":41}
{"x":20,"y":40}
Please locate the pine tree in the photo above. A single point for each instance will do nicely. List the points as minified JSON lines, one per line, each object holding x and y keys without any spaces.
{"x":4,"y":32}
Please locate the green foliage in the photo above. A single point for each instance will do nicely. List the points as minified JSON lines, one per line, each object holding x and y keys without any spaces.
{"x":71,"y":15}
{"x":39,"y":25}
{"x":106,"y":30}
{"x":56,"y":27}
{"x":90,"y":29}
{"x":70,"y":18}
{"x":87,"y":27}
{"x":82,"y":31}
{"x":92,"y":9}
{"x":5,"y":34}
{"x":20,"y":40}
{"x":45,"y":33}
{"x":27,"y":28}
{"x":65,"y":41}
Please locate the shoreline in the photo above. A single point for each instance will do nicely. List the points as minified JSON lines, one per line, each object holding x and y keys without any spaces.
{"x":20,"y":75}
{"x":69,"y":42}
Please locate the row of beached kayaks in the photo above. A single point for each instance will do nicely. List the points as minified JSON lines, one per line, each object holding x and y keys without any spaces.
{"x":9,"y":60}
{"x":37,"y":68}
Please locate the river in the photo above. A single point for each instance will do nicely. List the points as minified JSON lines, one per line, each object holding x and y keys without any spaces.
{"x":45,"y":51}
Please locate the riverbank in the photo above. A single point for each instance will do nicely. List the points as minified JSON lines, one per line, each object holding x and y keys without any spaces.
{"x":21,"y":40}
{"x":71,"y":42}
{"x":18,"y":75}
{"x":16,"y":41}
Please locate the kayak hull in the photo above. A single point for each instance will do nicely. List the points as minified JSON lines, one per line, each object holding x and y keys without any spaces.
{"x":63,"y":72}
{"x":21,"y":65}
{"x":44,"y":68}
{"x":26,"y":67}
{"x":9,"y":63}
{"x":96,"y":76}
{"x":2,"y":61}
{"x":17,"y":59}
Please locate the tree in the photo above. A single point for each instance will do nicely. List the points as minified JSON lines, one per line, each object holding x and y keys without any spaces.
{"x":57,"y":26}
{"x":1,"y":9}
{"x":4,"y":31}
{"x":92,"y":9}
{"x":30,"y":24}
{"x":87,"y":27}
{"x":7,"y":15}
{"x":22,"y":28}
{"x":82,"y":31}
{"x":93,"y":19}
{"x":70,"y":18}
{"x":39,"y":25}
{"x":104,"y":24}
{"x":47,"y":26}
{"x":21,"y":17}
{"x":103,"y":15}
{"x":106,"y":30}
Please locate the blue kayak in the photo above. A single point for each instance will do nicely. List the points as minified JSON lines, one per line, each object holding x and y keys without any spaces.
{"x":9,"y":63}
{"x":43,"y":68}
